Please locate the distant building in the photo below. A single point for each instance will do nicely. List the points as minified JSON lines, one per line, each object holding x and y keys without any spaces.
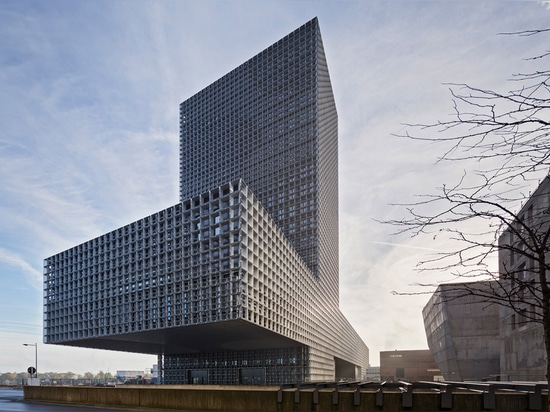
{"x":463,"y":332}
{"x":123,"y":376}
{"x":372,"y":374}
{"x":239,"y":281}
{"x":408,"y":365}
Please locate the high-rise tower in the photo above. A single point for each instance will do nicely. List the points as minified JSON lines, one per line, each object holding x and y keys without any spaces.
{"x":237,"y":283}
{"x":272,"y":122}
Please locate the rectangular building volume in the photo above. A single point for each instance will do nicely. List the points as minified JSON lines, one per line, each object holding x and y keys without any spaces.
{"x":238,"y":282}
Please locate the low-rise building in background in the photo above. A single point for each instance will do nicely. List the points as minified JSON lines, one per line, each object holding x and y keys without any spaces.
{"x":408,"y":365}
{"x":124,"y":376}
{"x":372,"y":374}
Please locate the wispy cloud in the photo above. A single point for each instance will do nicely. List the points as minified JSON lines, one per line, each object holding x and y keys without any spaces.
{"x":404,"y":245}
{"x":33,"y":276}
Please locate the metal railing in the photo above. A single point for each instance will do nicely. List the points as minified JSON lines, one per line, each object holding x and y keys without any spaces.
{"x":488,"y":390}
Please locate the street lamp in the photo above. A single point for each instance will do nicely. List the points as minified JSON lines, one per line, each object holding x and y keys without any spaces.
{"x":35,"y":355}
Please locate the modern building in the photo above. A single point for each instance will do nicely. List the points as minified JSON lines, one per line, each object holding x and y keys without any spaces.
{"x":372,"y":374}
{"x":522,"y":352}
{"x":472,"y":337}
{"x":463,"y":331}
{"x":408,"y":365}
{"x":238,"y":282}
{"x":128,"y":375}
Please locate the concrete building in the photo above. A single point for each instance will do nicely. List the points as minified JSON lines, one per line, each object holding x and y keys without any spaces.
{"x":463,"y":332}
{"x":472,"y":338}
{"x":127,"y":375}
{"x":408,"y":365}
{"x":522,"y":352}
{"x":372,"y":374}
{"x":238,"y":282}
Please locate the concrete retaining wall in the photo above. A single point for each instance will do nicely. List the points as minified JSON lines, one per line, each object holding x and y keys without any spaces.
{"x":266,"y":399}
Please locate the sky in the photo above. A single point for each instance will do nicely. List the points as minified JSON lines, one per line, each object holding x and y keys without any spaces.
{"x":89,"y":96}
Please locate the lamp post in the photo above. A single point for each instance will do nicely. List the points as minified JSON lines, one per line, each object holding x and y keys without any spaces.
{"x":35,"y":356}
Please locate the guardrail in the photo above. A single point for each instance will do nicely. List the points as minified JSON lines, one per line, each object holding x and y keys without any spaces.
{"x":446,"y":389}
{"x":489,"y":389}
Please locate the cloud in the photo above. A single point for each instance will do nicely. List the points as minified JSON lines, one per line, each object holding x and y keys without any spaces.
{"x":15,"y":357}
{"x":405,"y":246}
{"x":32,"y":276}
{"x":387,"y":321}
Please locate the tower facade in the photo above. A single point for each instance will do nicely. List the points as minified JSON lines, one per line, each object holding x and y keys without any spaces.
{"x":238,"y":282}
{"x":272,"y":122}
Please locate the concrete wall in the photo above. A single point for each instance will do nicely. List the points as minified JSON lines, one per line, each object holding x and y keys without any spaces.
{"x":463,"y":331}
{"x":169,"y":397}
{"x":265,"y":399}
{"x":522,"y":354}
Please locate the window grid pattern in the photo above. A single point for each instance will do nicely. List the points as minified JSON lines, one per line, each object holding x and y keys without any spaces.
{"x":259,"y":123}
{"x":223,"y":368}
{"x":282,"y":291}
{"x":215,"y":257}
{"x":264,"y":252}
{"x":177,"y":267}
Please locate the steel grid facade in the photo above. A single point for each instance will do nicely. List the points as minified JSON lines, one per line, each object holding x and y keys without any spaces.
{"x":253,"y":367}
{"x":215,"y":258}
{"x":238,"y":283}
{"x":272,"y":122}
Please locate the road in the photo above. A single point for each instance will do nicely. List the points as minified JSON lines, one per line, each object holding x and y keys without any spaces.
{"x":11,"y":400}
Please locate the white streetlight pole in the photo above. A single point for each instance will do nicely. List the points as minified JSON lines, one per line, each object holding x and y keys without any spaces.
{"x":35,"y":355}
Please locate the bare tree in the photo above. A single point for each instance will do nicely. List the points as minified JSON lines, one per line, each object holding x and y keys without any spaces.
{"x":501,"y":140}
